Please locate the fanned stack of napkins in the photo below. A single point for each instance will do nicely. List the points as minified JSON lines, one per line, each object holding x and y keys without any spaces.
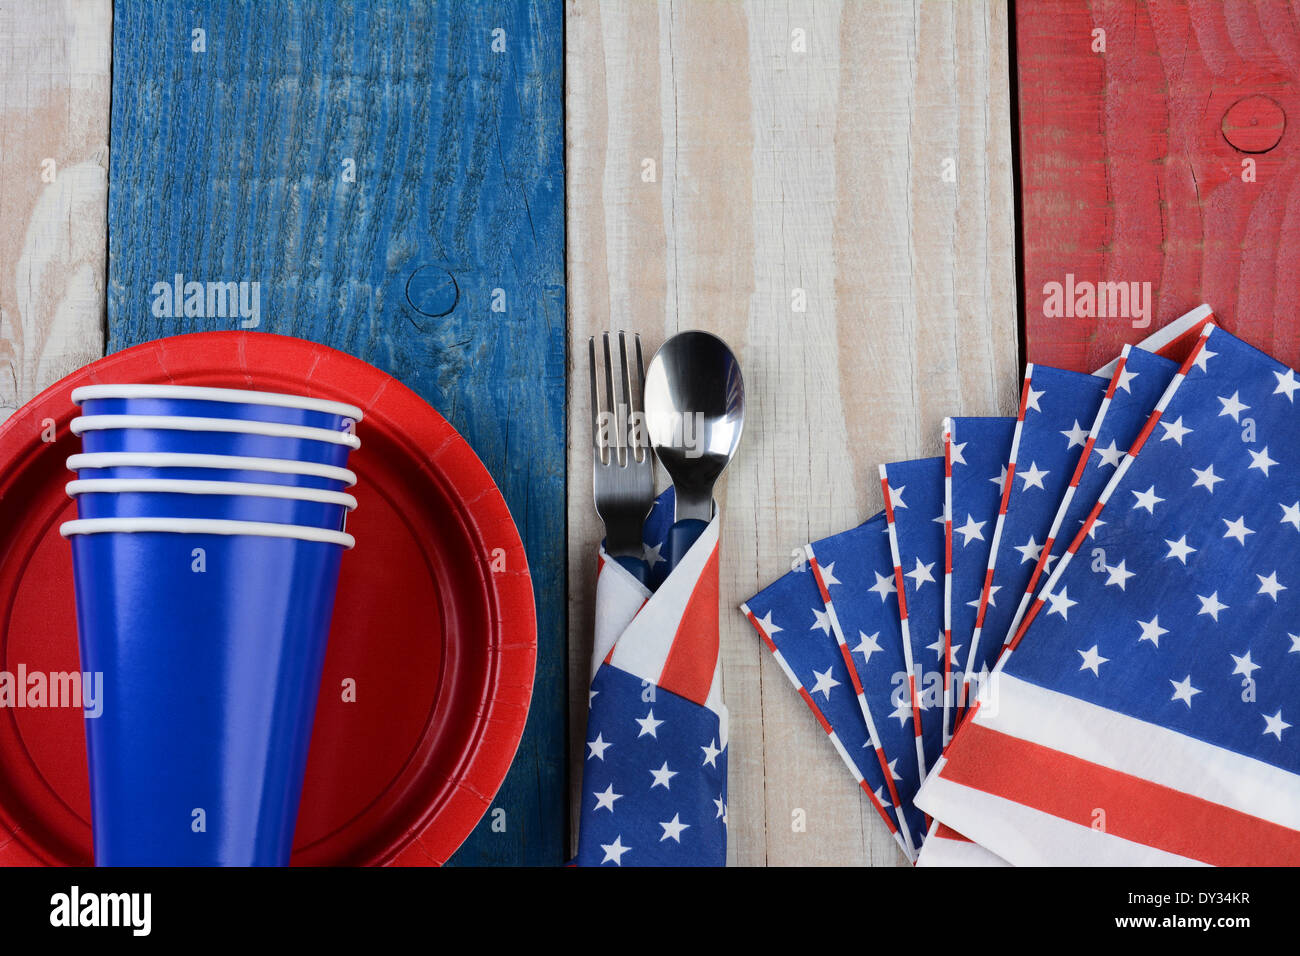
{"x":1075,"y":637}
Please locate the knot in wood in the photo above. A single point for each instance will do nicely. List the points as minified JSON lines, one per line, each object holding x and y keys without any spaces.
{"x":1254,"y":124}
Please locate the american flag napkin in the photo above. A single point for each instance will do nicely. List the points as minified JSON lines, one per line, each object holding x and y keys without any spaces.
{"x":944,"y":846}
{"x":976,"y":452}
{"x":855,"y":572}
{"x":1134,"y":393}
{"x":654,"y":781}
{"x":914,"y":510}
{"x":1057,"y":407}
{"x":791,"y":619}
{"x":1138,"y":381}
{"x":1171,"y":341}
{"x":1144,"y":716}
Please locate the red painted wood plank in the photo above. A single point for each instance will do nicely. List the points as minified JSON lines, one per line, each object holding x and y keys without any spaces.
{"x":1169,"y":157}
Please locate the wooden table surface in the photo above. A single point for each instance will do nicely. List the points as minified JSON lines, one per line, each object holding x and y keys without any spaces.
{"x":391,"y":173}
{"x":1165,"y":133}
{"x":826,"y":185}
{"x":776,"y":173}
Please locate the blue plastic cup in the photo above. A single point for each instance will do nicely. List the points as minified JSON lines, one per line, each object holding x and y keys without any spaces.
{"x":260,"y":471}
{"x":210,"y":638}
{"x":213,"y":436}
{"x":221,"y":500}
{"x":204,"y":402}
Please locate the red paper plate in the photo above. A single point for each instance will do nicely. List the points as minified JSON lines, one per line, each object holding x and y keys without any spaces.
{"x":434,"y":625}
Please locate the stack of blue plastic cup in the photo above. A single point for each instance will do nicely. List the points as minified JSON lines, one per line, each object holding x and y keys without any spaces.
{"x":210,"y":527}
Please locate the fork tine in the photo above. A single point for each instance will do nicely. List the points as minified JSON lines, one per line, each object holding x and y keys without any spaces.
{"x":640,"y":368}
{"x":635,"y":376}
{"x":640,"y":392}
{"x":628,"y":404}
{"x":623,"y":470}
{"x":616,"y":443}
{"x":597,"y":446}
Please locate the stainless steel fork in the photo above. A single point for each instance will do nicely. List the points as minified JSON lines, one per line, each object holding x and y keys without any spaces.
{"x":622,"y":461}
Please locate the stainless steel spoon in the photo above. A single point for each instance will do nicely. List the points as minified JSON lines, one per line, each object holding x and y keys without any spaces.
{"x":695,"y":412}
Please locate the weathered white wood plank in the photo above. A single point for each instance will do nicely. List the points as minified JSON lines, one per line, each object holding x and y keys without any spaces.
{"x":54,"y":102}
{"x":728,"y":165}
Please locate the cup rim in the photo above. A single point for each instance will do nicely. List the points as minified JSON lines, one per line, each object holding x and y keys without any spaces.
{"x":199,"y":486}
{"x":86,"y":423}
{"x":207,"y":393}
{"x":163,"y":459}
{"x":218,"y":526}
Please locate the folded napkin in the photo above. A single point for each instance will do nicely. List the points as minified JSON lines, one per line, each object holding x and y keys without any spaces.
{"x":915,"y":515}
{"x":921,"y":602}
{"x":1144,"y":711}
{"x":855,"y":570}
{"x":1056,"y":408}
{"x":976,"y":452}
{"x":794,"y":619}
{"x":654,"y":781}
{"x":1139,"y":379}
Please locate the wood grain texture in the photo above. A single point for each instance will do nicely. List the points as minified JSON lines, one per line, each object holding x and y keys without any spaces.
{"x":782,"y":174}
{"x":1129,"y":172}
{"x":54,"y":103}
{"x":231,"y":163}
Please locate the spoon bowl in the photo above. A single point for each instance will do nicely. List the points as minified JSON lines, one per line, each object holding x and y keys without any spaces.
{"x":695,"y":413}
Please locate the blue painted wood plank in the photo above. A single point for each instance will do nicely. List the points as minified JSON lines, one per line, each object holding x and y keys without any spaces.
{"x":233,"y":154}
